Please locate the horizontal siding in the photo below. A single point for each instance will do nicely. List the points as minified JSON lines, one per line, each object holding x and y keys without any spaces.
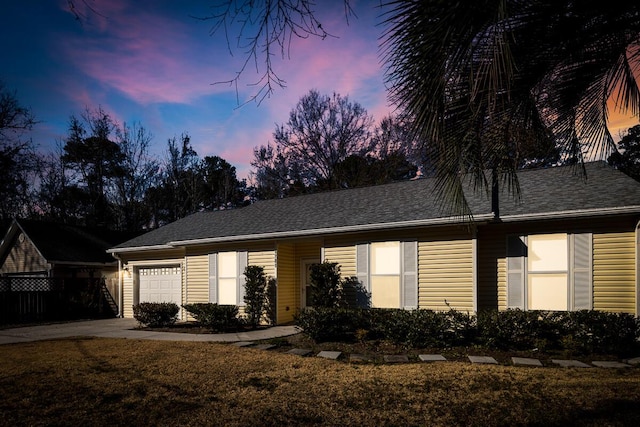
{"x":492,"y":270}
{"x":286,"y":275}
{"x":345,"y":256}
{"x":197,"y":279}
{"x":23,"y":258}
{"x":614,"y":272}
{"x":127,"y":297}
{"x":264,"y":259}
{"x":446,"y":274}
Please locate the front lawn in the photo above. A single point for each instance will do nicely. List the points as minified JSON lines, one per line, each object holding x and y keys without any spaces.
{"x":130,"y":382}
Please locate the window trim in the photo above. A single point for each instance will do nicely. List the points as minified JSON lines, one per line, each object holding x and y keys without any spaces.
{"x":214,"y":276}
{"x":579,"y":270}
{"x":408,"y":270}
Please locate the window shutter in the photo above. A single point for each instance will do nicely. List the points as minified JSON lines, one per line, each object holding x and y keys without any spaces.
{"x":213,"y":278}
{"x":581,"y":273}
{"x":362,"y":265}
{"x":242,"y":265}
{"x":410,"y":275}
{"x":516,"y":256}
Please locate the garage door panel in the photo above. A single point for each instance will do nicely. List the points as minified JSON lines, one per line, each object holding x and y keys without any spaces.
{"x":162,"y":284}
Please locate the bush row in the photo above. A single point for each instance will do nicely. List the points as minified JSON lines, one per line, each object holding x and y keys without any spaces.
{"x":580,"y":332}
{"x":216,"y":317}
{"x":156,"y":314}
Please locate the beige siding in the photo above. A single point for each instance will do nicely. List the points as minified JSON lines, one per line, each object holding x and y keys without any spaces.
{"x":614,"y":272}
{"x":345,"y":256}
{"x":492,"y":269}
{"x":197,"y":279}
{"x":23,"y":258}
{"x":614,"y":260}
{"x":127,"y":296}
{"x":130,"y":292}
{"x":264,"y":259}
{"x":445,"y":263}
{"x":446,"y":275}
{"x":287,"y":300}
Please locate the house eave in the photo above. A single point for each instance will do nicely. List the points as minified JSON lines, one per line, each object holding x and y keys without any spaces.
{"x":334,"y":230}
{"x":84,"y":264}
{"x":571,"y":214}
{"x":114,"y":251}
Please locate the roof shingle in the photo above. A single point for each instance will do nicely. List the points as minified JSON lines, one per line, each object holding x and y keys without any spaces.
{"x":552,"y":190}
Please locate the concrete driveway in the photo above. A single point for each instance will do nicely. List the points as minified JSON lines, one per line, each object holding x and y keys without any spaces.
{"x":125,"y":328}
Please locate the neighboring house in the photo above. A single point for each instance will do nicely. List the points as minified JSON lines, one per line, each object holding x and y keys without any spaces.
{"x":45,"y":249}
{"x":569,"y":243}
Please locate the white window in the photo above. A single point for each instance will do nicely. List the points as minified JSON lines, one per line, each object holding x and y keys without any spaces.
{"x":226,"y":277}
{"x":388,"y":270}
{"x":549,"y":272}
{"x":385,"y":275}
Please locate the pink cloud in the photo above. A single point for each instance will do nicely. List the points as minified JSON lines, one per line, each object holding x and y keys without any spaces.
{"x":147,"y":57}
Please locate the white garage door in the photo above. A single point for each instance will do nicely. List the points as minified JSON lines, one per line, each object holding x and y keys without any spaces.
{"x":162,"y":284}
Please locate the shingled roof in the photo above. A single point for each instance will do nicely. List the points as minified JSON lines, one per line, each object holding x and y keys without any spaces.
{"x":552,"y":192}
{"x":61,"y":243}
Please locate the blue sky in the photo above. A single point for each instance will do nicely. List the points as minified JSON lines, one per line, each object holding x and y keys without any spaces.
{"x":150,"y":61}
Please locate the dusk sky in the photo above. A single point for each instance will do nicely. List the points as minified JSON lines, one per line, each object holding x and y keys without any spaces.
{"x":150,"y":61}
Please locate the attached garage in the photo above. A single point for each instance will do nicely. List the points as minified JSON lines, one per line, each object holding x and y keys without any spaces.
{"x":161,"y":284}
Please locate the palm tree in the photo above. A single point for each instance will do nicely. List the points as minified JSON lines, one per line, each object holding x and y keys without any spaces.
{"x":484,"y":80}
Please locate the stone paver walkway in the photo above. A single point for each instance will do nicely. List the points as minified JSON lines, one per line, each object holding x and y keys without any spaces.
{"x":486,"y":360}
{"x":483,"y":360}
{"x":126,"y":328}
{"x":525,"y":361}
{"x":333,"y":355}
{"x":431,"y":358}
{"x":570,"y":363}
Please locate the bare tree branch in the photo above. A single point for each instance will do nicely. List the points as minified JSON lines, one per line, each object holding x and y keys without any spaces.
{"x":263,"y":31}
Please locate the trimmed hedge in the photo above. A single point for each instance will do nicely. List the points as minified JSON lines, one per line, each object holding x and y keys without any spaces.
{"x":217,"y":317}
{"x":156,"y":314}
{"x":579,"y":332}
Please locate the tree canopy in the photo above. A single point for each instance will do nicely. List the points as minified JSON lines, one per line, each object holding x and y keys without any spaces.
{"x":330,"y":142}
{"x":485,"y":81}
{"x":627,"y":157}
{"x":18,"y":162}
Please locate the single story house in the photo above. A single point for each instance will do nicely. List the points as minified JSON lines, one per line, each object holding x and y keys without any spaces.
{"x":570,"y":242}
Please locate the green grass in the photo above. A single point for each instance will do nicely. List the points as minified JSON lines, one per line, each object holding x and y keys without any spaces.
{"x":129,"y":382}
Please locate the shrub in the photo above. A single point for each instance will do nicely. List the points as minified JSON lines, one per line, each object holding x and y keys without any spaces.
{"x":516,"y":329}
{"x":325,"y":284}
{"x":423,"y":328}
{"x":582,"y":332}
{"x":328,"y":289}
{"x":590,"y":331}
{"x":390,"y":324}
{"x":156,"y":314}
{"x":463,"y":327}
{"x":271,"y":305}
{"x":331,"y":323}
{"x":217,"y":317}
{"x":254,"y":295}
{"x":354,"y":294}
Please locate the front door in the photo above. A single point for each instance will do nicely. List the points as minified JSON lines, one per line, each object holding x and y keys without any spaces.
{"x":305,"y":280}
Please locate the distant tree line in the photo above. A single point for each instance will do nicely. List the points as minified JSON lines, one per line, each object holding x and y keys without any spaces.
{"x":103,"y":173}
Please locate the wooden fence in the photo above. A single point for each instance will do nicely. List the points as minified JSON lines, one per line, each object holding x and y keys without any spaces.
{"x":35,"y":299}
